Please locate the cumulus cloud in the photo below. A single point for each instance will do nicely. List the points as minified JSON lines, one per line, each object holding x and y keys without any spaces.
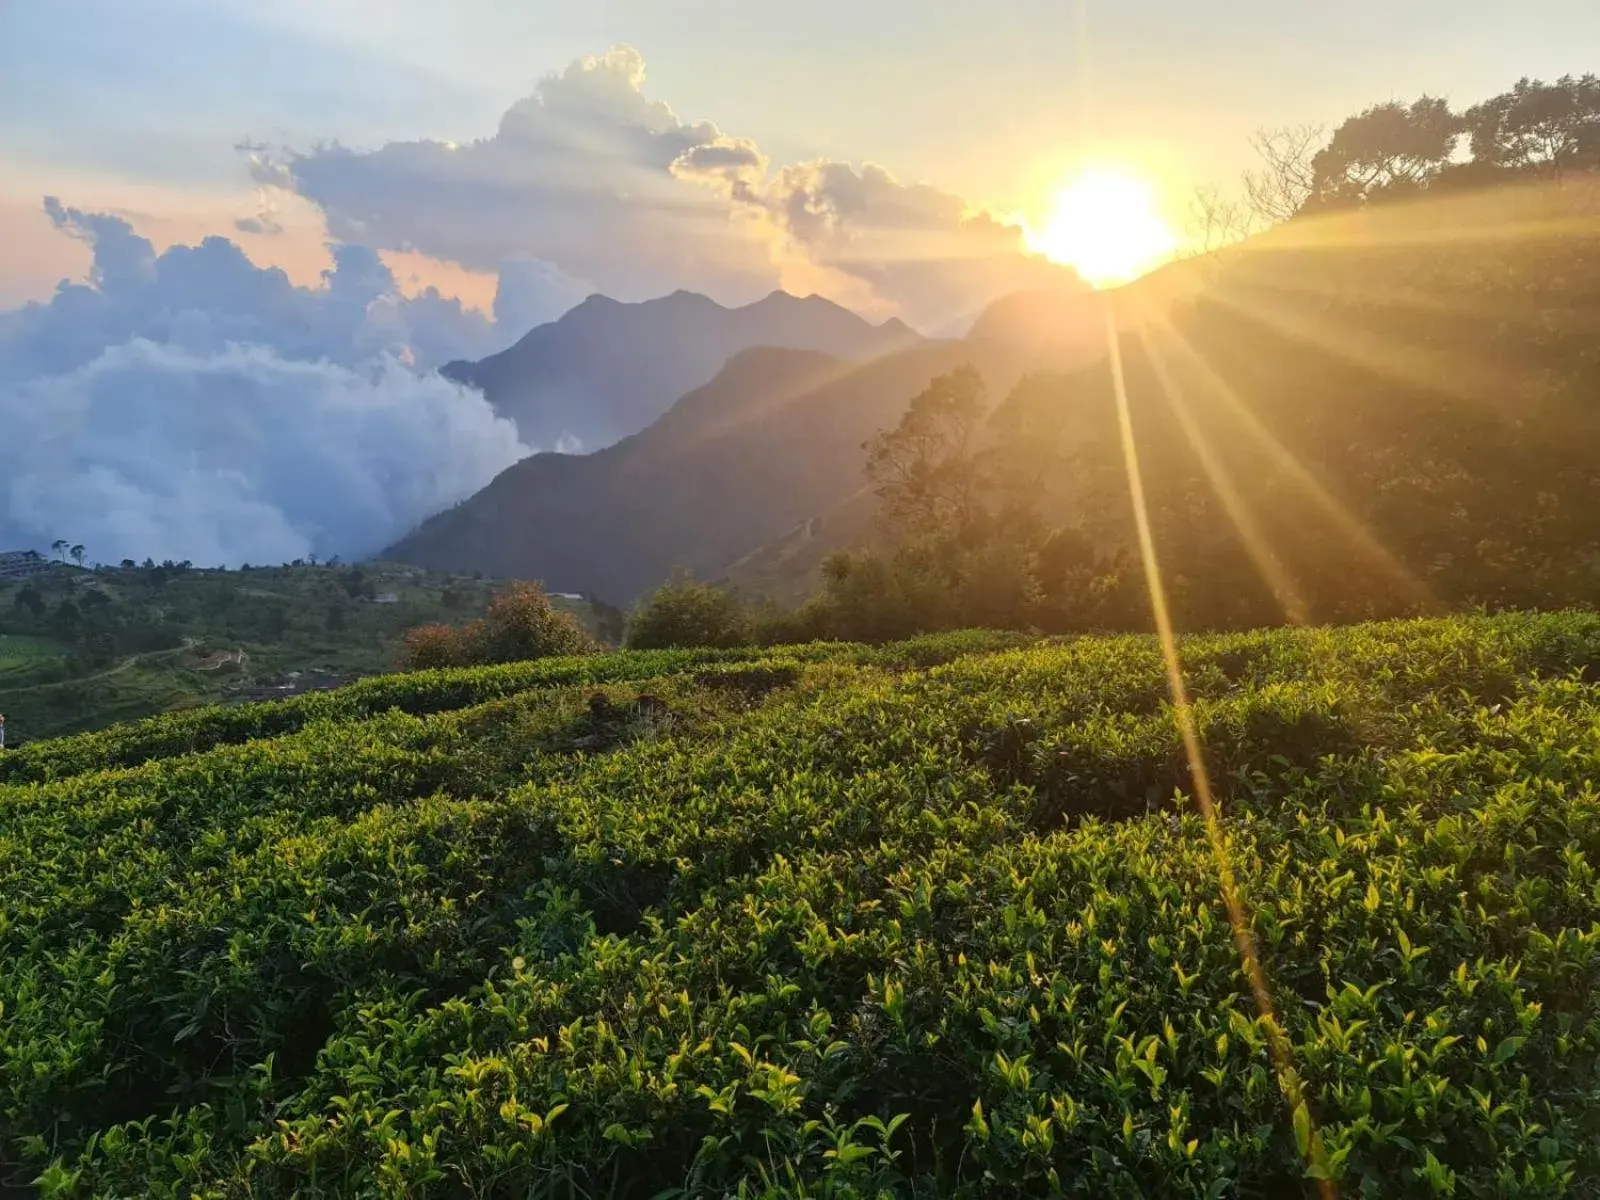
{"x":592,"y":177}
{"x":578,"y":175}
{"x":205,"y":297}
{"x":922,"y":249}
{"x":190,"y":404}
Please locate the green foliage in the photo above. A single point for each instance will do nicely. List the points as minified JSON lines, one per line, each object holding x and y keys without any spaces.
{"x":683,"y":612}
{"x":932,"y":918}
{"x":521,"y":623}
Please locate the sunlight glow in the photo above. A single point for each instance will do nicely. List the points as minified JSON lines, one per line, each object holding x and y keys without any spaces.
{"x":1106,"y":225}
{"x":1233,"y":899}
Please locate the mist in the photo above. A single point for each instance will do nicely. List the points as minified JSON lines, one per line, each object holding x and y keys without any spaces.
{"x":190,"y":405}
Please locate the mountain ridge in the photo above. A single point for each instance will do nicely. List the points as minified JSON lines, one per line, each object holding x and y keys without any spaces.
{"x":607,"y":368}
{"x":772,"y":441}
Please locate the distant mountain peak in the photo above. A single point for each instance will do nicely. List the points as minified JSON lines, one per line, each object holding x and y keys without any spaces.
{"x":607,"y":369}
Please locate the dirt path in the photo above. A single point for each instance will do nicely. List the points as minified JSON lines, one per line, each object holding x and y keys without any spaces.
{"x":188,"y":644}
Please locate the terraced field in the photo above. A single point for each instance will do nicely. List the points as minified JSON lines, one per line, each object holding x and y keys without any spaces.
{"x":933,"y":919}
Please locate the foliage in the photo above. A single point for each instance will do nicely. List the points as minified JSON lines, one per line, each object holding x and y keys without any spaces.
{"x":683,"y":612}
{"x":841,"y":922}
{"x":1539,"y":126}
{"x":1387,"y":148}
{"x":520,"y":623}
{"x":436,"y":645}
{"x":924,"y":470}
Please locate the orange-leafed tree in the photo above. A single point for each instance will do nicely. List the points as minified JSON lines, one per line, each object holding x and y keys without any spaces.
{"x":432,"y":646}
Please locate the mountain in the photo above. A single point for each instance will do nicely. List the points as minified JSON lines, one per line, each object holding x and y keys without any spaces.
{"x":607,"y":369}
{"x":771,"y":442}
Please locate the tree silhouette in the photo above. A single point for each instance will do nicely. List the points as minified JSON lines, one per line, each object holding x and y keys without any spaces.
{"x":1537,"y":126}
{"x":925,"y":469}
{"x":1388,"y":148}
{"x":59,"y":548}
{"x":1279,"y":187}
{"x":77,"y":553}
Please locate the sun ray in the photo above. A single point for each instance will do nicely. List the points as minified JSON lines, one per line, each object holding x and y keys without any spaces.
{"x":1254,"y":539}
{"x":1332,"y":509}
{"x":1200,"y":777}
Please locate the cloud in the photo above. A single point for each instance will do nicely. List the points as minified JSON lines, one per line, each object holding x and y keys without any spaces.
{"x":190,"y":404}
{"x":924,"y":250}
{"x":240,"y":456}
{"x":205,"y":297}
{"x":592,"y":177}
{"x":578,"y":175}
{"x":532,"y":292}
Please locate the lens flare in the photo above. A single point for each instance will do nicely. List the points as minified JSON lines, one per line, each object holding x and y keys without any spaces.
{"x":1105,"y":224}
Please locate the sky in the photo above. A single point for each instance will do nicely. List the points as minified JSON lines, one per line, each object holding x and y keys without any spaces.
{"x":218,"y":214}
{"x":138,"y":107}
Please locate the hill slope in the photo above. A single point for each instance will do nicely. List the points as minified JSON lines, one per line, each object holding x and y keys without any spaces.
{"x":606,"y":369}
{"x":486,"y":930}
{"x":773,"y":440}
{"x":80,"y":649}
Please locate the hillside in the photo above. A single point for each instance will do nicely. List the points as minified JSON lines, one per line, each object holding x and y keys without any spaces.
{"x":80,"y":649}
{"x":1353,"y":415}
{"x":935,"y":918}
{"x":607,"y":369}
{"x":772,"y":441}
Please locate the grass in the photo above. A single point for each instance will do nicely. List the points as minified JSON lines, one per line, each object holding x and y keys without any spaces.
{"x":932,"y":919}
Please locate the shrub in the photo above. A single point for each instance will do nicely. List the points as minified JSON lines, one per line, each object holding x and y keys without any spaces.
{"x":521,"y":623}
{"x":685,"y":613}
{"x":429,"y":646}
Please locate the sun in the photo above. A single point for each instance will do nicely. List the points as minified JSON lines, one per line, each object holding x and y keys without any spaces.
{"x":1105,"y":224}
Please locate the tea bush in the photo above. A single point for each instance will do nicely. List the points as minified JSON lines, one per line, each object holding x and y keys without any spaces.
{"x":933,"y":919}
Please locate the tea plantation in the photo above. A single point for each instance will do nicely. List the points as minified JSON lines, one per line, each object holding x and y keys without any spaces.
{"x":933,"y":919}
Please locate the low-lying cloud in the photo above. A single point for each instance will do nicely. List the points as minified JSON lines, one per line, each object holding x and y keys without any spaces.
{"x":191,"y":405}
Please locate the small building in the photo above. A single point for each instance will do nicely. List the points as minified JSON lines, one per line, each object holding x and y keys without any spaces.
{"x":22,"y":564}
{"x":386,"y":598}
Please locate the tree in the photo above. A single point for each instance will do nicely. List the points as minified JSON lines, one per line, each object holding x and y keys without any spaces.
{"x":1216,"y":220}
{"x":925,"y":470}
{"x":683,"y":612}
{"x":430,"y":646}
{"x":1539,"y":127}
{"x":1025,"y":463}
{"x":1278,"y":188}
{"x":522,"y":623}
{"x":77,"y":553}
{"x":1388,"y":148}
{"x":128,"y":564}
{"x":67,"y":616}
{"x":59,"y":548}
{"x":30,"y":598}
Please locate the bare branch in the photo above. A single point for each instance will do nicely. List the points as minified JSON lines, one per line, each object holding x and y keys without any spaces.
{"x":1279,"y":187}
